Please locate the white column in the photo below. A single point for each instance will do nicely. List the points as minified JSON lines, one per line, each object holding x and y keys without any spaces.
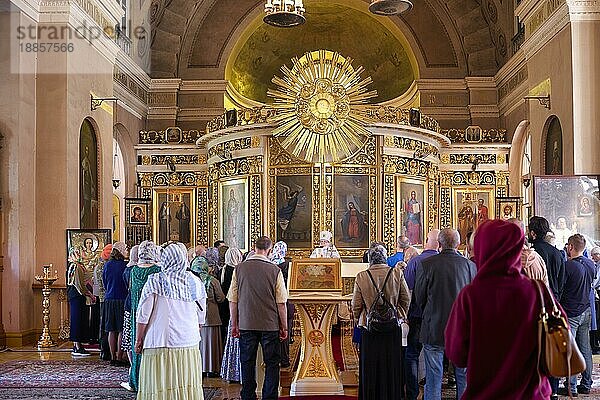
{"x":585,"y":49}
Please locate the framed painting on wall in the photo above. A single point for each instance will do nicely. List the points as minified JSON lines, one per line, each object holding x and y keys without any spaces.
{"x":570,"y":204}
{"x":89,"y":243}
{"x":294,"y":210}
{"x":412,"y":209}
{"x":233,"y":213}
{"x":508,"y":207}
{"x":351,"y":211}
{"x":472,"y":206}
{"x":174,"y":215}
{"x":138,"y":220}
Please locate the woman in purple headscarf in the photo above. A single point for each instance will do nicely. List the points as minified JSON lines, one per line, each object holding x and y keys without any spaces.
{"x":493,"y":325}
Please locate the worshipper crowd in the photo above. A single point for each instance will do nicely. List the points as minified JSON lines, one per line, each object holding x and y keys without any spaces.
{"x":174,"y":315}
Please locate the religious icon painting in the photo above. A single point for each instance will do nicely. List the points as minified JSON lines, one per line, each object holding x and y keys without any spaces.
{"x":570,"y":204}
{"x":412,"y":210}
{"x":294,"y":210}
{"x":472,"y":206}
{"x":351,"y":211}
{"x":323,"y":274}
{"x":233,"y":213}
{"x":87,"y":245}
{"x":508,"y":207}
{"x":138,"y":213}
{"x":174,"y":215}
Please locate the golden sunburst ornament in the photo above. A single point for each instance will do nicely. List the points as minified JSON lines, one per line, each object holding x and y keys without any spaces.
{"x":319,"y":106}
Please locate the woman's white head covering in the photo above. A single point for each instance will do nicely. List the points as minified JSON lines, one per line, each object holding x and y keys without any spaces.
{"x":148,"y":253}
{"x":233,"y":257}
{"x":133,"y":256}
{"x":174,"y":281}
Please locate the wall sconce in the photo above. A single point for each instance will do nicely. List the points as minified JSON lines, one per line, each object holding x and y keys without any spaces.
{"x":96,"y":102}
{"x":544,"y":100}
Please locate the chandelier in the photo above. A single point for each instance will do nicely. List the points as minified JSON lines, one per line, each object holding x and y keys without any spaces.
{"x":284,"y":13}
{"x":389,"y":7}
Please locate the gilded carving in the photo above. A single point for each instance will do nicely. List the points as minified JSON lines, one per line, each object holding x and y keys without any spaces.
{"x":473,"y":178}
{"x":445,"y":178}
{"x":316,"y":187}
{"x":230,"y":168}
{"x":445,"y":207}
{"x":213,"y":209}
{"x":373,"y":200}
{"x":347,"y":285}
{"x":400,"y":116}
{"x":255,"y":164}
{"x":315,"y":312}
{"x":501,"y":158}
{"x":316,"y":368}
{"x":328,"y":223}
{"x":202,"y":178}
{"x":202,"y":217}
{"x":146,"y":160}
{"x":316,"y":337}
{"x":255,"y":207}
{"x":475,"y":135}
{"x":224,"y":149}
{"x":279,"y":156}
{"x":176,"y":159}
{"x":245,"y":116}
{"x":366,"y":155}
{"x":389,"y":210}
{"x":403,"y":165}
{"x":146,"y":179}
{"x":169,"y":135}
{"x":502,"y":178}
{"x":421,"y":149}
{"x":255,"y":141}
{"x":473,"y":158}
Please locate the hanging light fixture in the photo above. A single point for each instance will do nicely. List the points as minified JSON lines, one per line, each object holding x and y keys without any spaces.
{"x":389,"y":7}
{"x":284,"y":13}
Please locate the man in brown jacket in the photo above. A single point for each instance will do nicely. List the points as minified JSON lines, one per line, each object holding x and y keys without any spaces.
{"x":257,"y":298}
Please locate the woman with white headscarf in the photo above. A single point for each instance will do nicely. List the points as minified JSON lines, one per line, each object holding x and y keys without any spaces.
{"x":147,"y":264}
{"x":231,"y":367}
{"x":172,"y":308}
{"x":126,"y":337}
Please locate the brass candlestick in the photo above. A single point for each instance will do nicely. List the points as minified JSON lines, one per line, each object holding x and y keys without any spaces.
{"x":46,"y":340}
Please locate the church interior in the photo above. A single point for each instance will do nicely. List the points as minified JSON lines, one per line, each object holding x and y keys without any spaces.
{"x":196,"y":121}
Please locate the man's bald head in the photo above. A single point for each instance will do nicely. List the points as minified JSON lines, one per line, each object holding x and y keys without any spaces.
{"x":449,"y":239}
{"x":432,"y":240}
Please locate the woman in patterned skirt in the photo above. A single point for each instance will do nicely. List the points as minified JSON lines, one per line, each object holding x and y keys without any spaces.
{"x":231,"y":367}
{"x":148,"y":255}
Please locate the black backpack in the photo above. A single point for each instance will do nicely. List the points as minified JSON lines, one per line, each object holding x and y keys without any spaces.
{"x":382,"y":316}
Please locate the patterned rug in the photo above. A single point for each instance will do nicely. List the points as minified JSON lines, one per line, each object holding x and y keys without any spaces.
{"x":74,"y":373}
{"x":79,"y":394}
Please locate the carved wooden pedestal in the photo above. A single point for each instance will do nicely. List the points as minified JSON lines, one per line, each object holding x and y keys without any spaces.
{"x":317,"y":373}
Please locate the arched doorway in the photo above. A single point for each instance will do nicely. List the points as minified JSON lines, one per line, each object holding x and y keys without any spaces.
{"x":88,"y":176}
{"x":553,"y":147}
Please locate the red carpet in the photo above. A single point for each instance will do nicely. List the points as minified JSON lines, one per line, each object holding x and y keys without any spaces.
{"x":336,"y":347}
{"x":318,"y":398}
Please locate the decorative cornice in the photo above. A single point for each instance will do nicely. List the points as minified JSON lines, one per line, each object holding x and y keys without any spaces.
{"x":441,"y":84}
{"x":584,"y":10}
{"x":204,"y":85}
{"x":550,"y":28}
{"x":484,"y":111}
{"x":480,"y":82}
{"x":165,"y":85}
{"x":191,"y":114}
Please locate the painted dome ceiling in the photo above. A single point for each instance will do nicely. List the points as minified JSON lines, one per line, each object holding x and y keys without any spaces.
{"x":348,"y":31}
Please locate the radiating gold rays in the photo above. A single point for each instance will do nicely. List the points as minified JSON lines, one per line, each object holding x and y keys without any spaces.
{"x":320,"y":107}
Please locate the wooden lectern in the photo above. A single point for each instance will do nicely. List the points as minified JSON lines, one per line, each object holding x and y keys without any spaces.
{"x":315,"y":286}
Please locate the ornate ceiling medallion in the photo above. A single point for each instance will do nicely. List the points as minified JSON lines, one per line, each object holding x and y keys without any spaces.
{"x":319,"y":102}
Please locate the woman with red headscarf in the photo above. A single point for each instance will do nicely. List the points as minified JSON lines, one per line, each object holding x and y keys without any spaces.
{"x":493,"y":326}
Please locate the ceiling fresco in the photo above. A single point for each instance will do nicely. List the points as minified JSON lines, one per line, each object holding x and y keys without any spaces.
{"x":348,"y":31}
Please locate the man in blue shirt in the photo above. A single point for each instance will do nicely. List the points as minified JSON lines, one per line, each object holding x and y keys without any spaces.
{"x":401,"y":244}
{"x":575,"y":300}
{"x":415,"y":315}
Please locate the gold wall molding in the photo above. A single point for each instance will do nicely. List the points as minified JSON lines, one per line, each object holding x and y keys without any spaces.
{"x":229,"y":146}
{"x":328,"y":203}
{"x":255,"y":208}
{"x":171,"y":135}
{"x":475,"y":135}
{"x":403,"y":165}
{"x":245,"y":116}
{"x":421,"y":148}
{"x":462,"y":178}
{"x":400,"y":116}
{"x":202,"y":216}
{"x":433,"y":175}
{"x":213,"y":209}
{"x":445,"y":207}
{"x":177,"y":159}
{"x":154,"y":179}
{"x":389,"y":211}
{"x":366,"y":155}
{"x":454,"y":158}
{"x":279,"y":156}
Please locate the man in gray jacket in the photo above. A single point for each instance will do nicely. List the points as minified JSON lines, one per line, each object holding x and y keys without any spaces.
{"x":438,"y":282}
